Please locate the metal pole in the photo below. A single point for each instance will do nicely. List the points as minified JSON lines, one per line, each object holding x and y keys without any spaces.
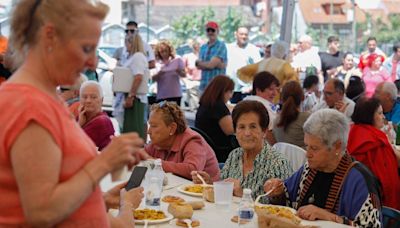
{"x":287,"y":20}
{"x":148,"y":21}
{"x":331,"y":17}
{"x":353,"y":26}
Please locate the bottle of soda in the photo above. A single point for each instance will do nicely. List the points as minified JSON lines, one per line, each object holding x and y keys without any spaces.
{"x":246,"y":209}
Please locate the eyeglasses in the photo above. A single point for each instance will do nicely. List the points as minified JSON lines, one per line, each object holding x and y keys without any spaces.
{"x":210,"y":30}
{"x":165,"y":104}
{"x":127,"y":31}
{"x":328,"y":94}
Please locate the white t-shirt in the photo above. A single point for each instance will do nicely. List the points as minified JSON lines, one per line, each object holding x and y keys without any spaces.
{"x":138,"y":64}
{"x":239,"y":57}
{"x":271,"y":108}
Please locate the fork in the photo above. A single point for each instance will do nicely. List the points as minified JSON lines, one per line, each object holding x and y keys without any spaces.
{"x":267,"y":193}
{"x":202,"y":180}
{"x":188,"y":222}
{"x":146,"y":222}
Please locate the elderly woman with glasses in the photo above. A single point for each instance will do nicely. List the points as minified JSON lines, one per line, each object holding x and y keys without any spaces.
{"x":181,"y":149}
{"x":96,"y":124}
{"x":330,"y":186}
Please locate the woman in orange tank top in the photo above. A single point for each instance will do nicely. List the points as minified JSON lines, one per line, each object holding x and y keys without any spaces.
{"x":49,"y":168}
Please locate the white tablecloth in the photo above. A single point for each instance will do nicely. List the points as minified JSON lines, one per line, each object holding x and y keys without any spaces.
{"x":209,"y":216}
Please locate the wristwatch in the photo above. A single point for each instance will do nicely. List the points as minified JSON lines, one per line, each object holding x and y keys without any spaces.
{"x":346,"y":221}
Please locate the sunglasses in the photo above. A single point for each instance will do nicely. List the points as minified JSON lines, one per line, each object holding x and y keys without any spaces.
{"x":127,"y":31}
{"x":210,"y":30}
{"x":165,"y":105}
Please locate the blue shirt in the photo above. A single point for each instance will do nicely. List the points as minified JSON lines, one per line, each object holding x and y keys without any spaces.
{"x":394,"y":114}
{"x":207,"y":52}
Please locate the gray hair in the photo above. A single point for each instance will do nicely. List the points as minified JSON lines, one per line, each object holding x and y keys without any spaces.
{"x":279,"y":49}
{"x":329,"y":125}
{"x":390,"y":88}
{"x":92,"y":83}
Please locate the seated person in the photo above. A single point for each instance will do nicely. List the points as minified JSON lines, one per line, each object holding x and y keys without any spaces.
{"x":213,"y":116}
{"x":330,"y":186}
{"x":96,"y":124}
{"x":356,"y":88}
{"x":265,"y":89}
{"x":386,"y":92}
{"x":334,"y":97}
{"x":369,"y":145}
{"x":181,"y":149}
{"x":289,"y":125}
{"x":255,"y":161}
{"x":70,"y":94}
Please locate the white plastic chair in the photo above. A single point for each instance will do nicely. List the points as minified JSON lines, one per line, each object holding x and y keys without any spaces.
{"x":295,"y":154}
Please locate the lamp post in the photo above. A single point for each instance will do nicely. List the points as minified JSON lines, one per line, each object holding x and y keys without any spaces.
{"x":353,"y":26}
{"x":148,"y":21}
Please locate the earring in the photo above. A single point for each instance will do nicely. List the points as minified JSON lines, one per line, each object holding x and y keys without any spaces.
{"x":170,"y":133}
{"x":337,"y":154}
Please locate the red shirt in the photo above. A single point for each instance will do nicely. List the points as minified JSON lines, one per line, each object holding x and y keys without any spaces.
{"x":371,"y":147}
{"x":100,"y":129}
{"x":21,"y":104}
{"x":190,"y":152}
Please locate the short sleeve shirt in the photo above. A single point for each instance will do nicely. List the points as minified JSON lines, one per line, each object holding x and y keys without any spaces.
{"x":207,"y":52}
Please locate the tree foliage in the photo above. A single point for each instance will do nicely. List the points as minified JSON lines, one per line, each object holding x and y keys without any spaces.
{"x":191,"y":26}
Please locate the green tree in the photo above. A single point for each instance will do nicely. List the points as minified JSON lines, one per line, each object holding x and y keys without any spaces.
{"x":230,"y":24}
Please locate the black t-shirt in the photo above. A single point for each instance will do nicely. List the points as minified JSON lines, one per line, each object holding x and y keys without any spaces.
{"x":319,"y":190}
{"x":207,"y":119}
{"x":329,"y":61}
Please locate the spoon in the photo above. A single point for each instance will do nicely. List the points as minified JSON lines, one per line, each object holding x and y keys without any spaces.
{"x":202,"y":180}
{"x":146,"y":222}
{"x":188,"y":222}
{"x":267,"y":193}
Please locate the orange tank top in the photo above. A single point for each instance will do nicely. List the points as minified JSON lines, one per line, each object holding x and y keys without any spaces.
{"x":20,"y":104}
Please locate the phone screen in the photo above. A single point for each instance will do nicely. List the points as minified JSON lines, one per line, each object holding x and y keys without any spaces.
{"x":136,"y":177}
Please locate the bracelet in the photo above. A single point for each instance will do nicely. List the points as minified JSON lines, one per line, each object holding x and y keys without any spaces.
{"x":94,"y":182}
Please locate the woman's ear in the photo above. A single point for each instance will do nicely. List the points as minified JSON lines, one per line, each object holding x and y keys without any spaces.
{"x":49,"y":35}
{"x":172,"y":128}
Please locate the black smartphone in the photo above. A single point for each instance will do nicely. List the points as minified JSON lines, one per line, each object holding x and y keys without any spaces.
{"x":136,"y":177}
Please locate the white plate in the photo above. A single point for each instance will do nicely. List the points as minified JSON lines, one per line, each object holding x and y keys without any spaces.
{"x":271,"y":205}
{"x":182,"y":190}
{"x":168,"y":217}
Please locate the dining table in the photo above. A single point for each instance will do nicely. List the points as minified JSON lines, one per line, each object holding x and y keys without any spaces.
{"x":210,"y":216}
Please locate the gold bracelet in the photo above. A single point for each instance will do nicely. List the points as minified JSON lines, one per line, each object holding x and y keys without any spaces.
{"x":94,"y":182}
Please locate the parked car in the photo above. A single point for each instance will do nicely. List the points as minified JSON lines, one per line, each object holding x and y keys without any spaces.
{"x":104,"y":69}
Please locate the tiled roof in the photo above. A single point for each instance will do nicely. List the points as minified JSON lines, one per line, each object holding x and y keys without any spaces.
{"x":314,"y":12}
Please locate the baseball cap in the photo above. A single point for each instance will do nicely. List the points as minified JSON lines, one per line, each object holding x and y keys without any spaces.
{"x":212,"y":24}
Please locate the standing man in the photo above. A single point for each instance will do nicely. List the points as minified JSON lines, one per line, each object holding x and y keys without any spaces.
{"x":131,"y":28}
{"x":240,"y":54}
{"x":372,"y":48}
{"x":213,"y":56}
{"x":306,"y":58}
{"x":332,"y":58}
{"x":392,"y":64}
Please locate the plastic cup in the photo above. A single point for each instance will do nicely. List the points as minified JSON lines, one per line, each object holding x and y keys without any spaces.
{"x":223,"y":194}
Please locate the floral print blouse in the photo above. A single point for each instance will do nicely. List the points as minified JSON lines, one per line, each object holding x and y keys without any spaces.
{"x":269,"y":163}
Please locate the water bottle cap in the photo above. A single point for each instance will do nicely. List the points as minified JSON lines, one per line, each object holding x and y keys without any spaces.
{"x":247,"y":191}
{"x":157,"y":162}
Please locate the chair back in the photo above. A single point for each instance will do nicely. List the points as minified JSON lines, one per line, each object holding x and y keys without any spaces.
{"x":205,"y":137}
{"x":295,"y":154}
{"x":391,"y":217}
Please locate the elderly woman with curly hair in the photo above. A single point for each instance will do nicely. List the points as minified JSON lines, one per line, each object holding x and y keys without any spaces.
{"x":170,"y":70}
{"x":330,"y":186}
{"x":181,"y":149}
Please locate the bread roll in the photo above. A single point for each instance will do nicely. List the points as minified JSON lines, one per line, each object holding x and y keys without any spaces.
{"x":208,"y":194}
{"x":196,"y":205}
{"x":180,"y":210}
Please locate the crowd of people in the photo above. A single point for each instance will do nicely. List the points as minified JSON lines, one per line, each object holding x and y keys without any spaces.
{"x":57,"y":143}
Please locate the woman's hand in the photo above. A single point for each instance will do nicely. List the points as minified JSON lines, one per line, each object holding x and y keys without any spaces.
{"x":82,"y":115}
{"x":121,"y":151}
{"x":311,"y":212}
{"x":133,"y":196}
{"x":237,"y":188}
{"x":129,"y":101}
{"x":203,"y":174}
{"x":275,"y":184}
{"x":111,"y":197}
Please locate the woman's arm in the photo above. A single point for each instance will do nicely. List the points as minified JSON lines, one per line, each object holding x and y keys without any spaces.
{"x":36,"y":161}
{"x":226,"y":124}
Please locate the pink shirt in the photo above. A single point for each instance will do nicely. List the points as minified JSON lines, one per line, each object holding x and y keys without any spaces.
{"x":20,"y":104}
{"x":190,"y":152}
{"x":168,"y":83}
{"x":372,"y":79}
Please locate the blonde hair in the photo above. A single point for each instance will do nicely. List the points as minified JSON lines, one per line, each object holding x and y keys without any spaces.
{"x":29,"y":15}
{"x":136,"y":44}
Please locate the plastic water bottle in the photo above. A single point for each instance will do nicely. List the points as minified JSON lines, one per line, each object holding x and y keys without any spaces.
{"x":246,"y":209}
{"x":153,"y":194}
